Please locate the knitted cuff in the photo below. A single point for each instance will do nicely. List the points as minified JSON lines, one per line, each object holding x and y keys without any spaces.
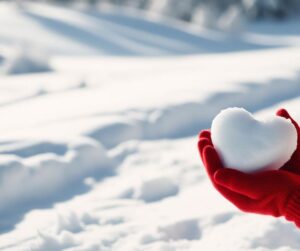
{"x":292,"y":211}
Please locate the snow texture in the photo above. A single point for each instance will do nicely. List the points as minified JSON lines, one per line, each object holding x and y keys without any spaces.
{"x":250,"y":145}
{"x":100,"y":152}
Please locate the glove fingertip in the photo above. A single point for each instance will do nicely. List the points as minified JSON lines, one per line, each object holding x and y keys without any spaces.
{"x":205,"y":134}
{"x":283,"y":113}
{"x":210,"y":154}
{"x":203,"y":142}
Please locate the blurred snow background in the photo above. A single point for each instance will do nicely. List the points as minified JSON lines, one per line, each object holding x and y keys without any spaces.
{"x":100,"y":106}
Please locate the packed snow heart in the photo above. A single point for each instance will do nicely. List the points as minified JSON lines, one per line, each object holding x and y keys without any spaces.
{"x":247,"y":144}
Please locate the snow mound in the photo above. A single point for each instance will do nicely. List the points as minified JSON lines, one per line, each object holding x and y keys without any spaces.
{"x":56,"y":176}
{"x":69,"y":222}
{"x":272,"y":237}
{"x":186,"y":230}
{"x":25,"y":61}
{"x":50,"y":242}
{"x":156,"y":189}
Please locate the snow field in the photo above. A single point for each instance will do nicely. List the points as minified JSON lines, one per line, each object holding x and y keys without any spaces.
{"x":100,"y":153}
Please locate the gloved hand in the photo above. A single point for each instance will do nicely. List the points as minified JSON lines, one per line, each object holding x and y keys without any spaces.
{"x":275,"y":192}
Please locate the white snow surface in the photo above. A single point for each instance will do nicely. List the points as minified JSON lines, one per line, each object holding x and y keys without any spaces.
{"x":100,"y":153}
{"x":249,"y":145}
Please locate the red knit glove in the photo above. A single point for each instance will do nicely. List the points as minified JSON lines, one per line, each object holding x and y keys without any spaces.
{"x":275,"y":192}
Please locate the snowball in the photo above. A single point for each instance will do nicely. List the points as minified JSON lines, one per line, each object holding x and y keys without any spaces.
{"x":249,"y":145}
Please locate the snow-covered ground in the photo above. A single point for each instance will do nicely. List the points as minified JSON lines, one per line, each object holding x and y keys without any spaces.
{"x":99,"y":151}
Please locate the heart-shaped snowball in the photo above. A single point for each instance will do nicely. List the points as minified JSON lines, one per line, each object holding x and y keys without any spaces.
{"x":250,"y":145}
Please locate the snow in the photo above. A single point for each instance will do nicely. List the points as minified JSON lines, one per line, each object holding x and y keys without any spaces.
{"x":25,"y":60}
{"x":247,"y":144}
{"x":100,"y":152}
